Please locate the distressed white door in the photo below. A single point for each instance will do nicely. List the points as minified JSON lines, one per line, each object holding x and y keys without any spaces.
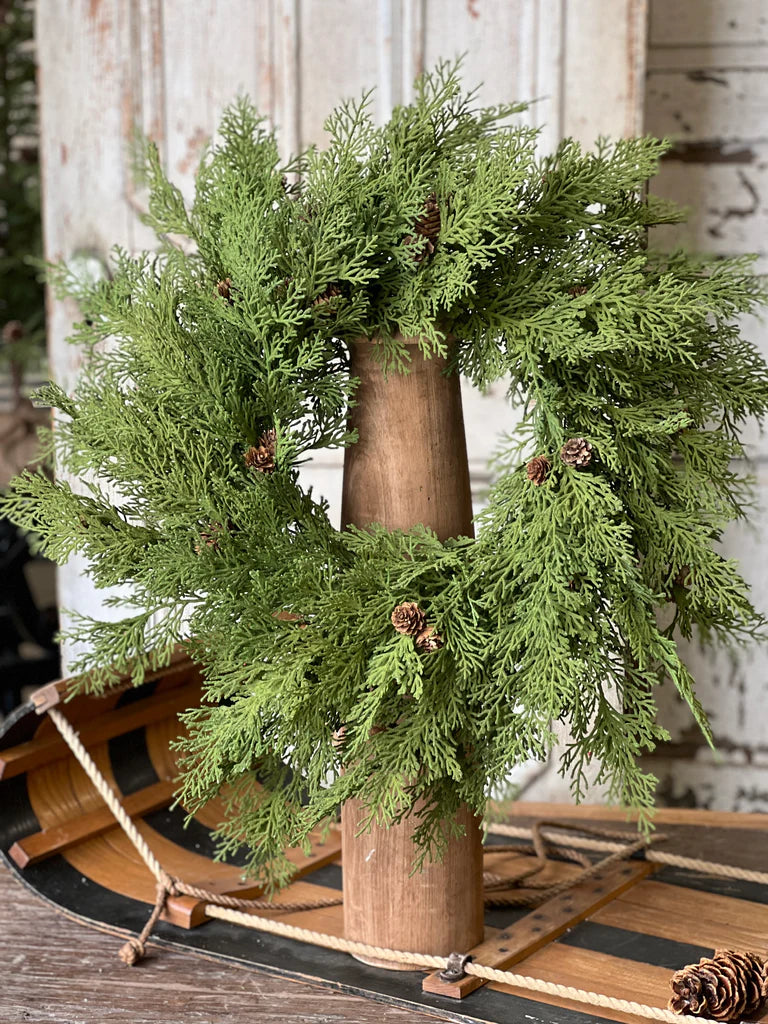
{"x":171,"y":66}
{"x":707,"y":88}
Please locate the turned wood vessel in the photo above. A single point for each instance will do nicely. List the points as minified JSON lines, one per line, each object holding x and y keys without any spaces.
{"x":409,"y":466}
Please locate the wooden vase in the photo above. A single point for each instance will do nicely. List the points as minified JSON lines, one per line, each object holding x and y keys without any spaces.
{"x":409,"y":466}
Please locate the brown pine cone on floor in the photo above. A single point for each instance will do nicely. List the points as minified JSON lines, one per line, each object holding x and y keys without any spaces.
{"x":409,"y":619}
{"x":576,"y":453}
{"x":727,"y":986}
{"x":538,"y":470}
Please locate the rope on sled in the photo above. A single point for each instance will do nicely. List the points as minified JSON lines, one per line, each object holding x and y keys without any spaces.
{"x":705,"y":867}
{"x":422,"y":960}
{"x":229,"y":908}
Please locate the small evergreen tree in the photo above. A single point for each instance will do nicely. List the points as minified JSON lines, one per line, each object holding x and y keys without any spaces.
{"x":229,"y":365}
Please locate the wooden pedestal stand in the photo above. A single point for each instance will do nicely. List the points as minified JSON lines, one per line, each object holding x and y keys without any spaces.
{"x":409,"y":466}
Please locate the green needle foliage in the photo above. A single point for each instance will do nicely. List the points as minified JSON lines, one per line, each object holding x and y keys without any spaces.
{"x":240,"y":326}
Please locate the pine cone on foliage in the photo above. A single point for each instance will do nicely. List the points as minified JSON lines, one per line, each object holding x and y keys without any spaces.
{"x":726,"y":986}
{"x":209,"y":538}
{"x":321,"y":303}
{"x":409,"y":619}
{"x":683,"y":578}
{"x":576,"y":453}
{"x":538,"y":470}
{"x":426,"y":226}
{"x":212,"y":534}
{"x":578,"y":289}
{"x":339,"y":737}
{"x":428,"y":640}
{"x":262,"y":455}
{"x":224,"y":290}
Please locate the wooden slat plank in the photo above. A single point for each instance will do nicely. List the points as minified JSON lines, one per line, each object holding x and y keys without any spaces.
{"x":663,"y":816}
{"x":595,"y":972}
{"x":701,"y":918}
{"x":39,"y":845}
{"x":51,"y":694}
{"x":188,"y":912}
{"x":542,"y":925}
{"x":42,"y":750}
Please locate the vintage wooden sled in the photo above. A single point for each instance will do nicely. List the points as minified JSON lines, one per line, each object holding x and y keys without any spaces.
{"x":622,"y":932}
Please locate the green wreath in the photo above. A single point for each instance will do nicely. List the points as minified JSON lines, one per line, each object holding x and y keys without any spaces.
{"x":228,"y":366}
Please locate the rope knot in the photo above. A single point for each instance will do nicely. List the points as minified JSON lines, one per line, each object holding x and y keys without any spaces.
{"x":167,"y":886}
{"x":132,"y":952}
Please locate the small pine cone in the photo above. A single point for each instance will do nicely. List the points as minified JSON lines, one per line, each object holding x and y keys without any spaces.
{"x":683,"y":578}
{"x":224,"y":290}
{"x":262,"y":455}
{"x":209,"y":538}
{"x":409,"y":619}
{"x":578,"y":289}
{"x":577,"y":453}
{"x":339,"y":737}
{"x":726,"y":986}
{"x":427,"y":226}
{"x":538,"y":470}
{"x":13,"y":331}
{"x":321,"y":303}
{"x":428,"y":641}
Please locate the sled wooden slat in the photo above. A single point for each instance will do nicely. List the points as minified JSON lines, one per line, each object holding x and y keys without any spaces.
{"x":42,"y":750}
{"x":706,"y":919}
{"x":49,"y":841}
{"x":543,"y":925}
{"x":598,"y":813}
{"x":597,"y":972}
{"x":51,"y":694}
{"x":189,"y":912}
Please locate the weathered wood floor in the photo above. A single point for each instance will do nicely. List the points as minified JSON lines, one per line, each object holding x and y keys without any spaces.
{"x":53,"y":971}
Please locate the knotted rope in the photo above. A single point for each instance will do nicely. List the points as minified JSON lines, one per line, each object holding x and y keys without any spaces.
{"x":232,"y":909}
{"x":705,"y":867}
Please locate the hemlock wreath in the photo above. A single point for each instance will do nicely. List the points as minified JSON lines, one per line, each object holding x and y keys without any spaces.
{"x":389,"y":665}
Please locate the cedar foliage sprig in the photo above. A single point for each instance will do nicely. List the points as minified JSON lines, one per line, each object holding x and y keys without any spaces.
{"x":540,"y":272}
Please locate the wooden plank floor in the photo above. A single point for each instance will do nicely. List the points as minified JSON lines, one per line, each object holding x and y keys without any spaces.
{"x":55,"y":971}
